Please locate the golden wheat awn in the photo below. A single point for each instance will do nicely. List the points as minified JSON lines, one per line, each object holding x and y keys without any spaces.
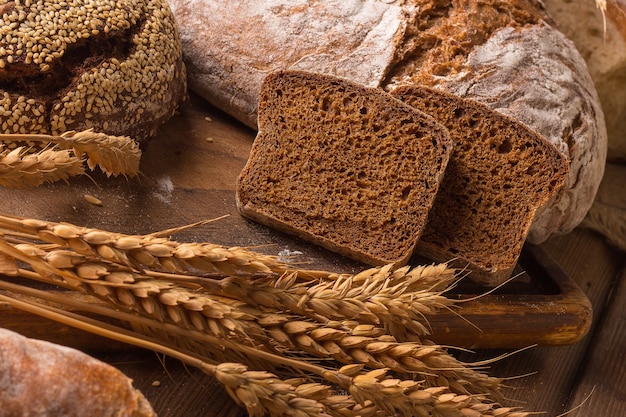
{"x":60,"y":157}
{"x":192,"y":314}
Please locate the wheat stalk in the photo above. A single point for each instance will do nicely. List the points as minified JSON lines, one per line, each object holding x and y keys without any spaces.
{"x":21,"y":169}
{"x":372,"y":393}
{"x":27,"y":167}
{"x":195,"y":314}
{"x":345,"y":341}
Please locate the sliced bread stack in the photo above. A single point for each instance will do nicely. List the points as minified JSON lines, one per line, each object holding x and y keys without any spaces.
{"x":361,"y":172}
{"x":499,"y":175}
{"x":349,"y":168}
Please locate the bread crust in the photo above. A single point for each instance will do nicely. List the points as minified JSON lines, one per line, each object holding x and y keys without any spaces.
{"x":38,"y":378}
{"x":230,"y":47}
{"x":114,"y":66}
{"x":600,"y":36}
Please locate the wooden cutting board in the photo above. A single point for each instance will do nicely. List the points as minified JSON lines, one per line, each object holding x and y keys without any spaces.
{"x":189,"y":173}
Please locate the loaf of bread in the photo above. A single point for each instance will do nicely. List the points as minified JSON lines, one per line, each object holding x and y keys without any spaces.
{"x":347,"y":167}
{"x":42,"y":379}
{"x":114,"y":66}
{"x":504,"y":53}
{"x":499,"y":174}
{"x":600,"y":36}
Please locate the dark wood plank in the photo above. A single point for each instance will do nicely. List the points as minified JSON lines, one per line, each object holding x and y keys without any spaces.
{"x":603,"y":370}
{"x":593,"y":265}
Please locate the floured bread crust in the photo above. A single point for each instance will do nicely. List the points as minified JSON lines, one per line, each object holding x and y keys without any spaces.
{"x":601,"y":39}
{"x":38,"y":378}
{"x":504,"y":53}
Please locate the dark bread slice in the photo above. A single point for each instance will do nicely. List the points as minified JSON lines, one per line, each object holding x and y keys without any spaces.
{"x":347,"y":167}
{"x":499,"y":175}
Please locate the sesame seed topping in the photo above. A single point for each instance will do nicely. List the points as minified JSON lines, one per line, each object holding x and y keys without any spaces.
{"x":133,"y":85}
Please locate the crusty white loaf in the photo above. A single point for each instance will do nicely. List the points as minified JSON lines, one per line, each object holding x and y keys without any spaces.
{"x":42,"y":379}
{"x":504,"y":53}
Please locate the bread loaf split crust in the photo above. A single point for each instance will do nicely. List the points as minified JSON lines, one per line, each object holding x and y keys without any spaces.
{"x":505,"y":53}
{"x":498,"y":176}
{"x":38,"y":378}
{"x":114,"y":66}
{"x":347,"y":167}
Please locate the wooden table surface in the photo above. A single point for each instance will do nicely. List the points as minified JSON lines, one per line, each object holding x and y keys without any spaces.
{"x":195,"y":159}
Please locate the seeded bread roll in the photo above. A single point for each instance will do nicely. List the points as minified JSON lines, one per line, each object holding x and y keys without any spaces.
{"x":346,"y":167}
{"x":499,"y":174}
{"x":504,"y":53}
{"x":38,"y":378}
{"x":114,"y":66}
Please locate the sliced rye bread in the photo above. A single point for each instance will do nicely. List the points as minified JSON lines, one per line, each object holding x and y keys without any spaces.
{"x":346,"y":167}
{"x":499,"y":175}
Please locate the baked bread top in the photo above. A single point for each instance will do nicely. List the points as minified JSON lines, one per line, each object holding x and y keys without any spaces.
{"x":347,"y":167}
{"x":40,"y":378}
{"x":499,"y":175}
{"x":114,"y":66}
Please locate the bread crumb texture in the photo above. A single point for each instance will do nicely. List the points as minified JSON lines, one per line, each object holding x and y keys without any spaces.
{"x":111,"y":65}
{"x":345,"y":166}
{"x":499,"y":175}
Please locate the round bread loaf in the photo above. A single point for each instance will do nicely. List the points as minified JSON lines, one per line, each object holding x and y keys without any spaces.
{"x":504,"y":53}
{"x":114,"y":66}
{"x":38,"y":378}
{"x":600,"y":36}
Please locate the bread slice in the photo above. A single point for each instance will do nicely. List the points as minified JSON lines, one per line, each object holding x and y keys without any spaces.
{"x":499,"y":175}
{"x":346,"y":167}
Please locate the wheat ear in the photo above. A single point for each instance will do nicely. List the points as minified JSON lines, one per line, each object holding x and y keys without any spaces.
{"x":147,"y":251}
{"x":371,"y":393}
{"x":21,"y":169}
{"x":115,"y":155}
{"x":346,"y":341}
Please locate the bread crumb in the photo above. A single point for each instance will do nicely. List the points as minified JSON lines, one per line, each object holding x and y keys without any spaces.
{"x":208,"y":119}
{"x":93,"y":200}
{"x":156,"y":383}
{"x":287,"y":255}
{"x":209,"y":139}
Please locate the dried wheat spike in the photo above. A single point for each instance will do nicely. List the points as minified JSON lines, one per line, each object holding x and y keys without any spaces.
{"x":260,"y":392}
{"x":398,"y":299}
{"x":115,"y":155}
{"x":21,"y":169}
{"x":147,"y":251}
{"x":345,"y":341}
